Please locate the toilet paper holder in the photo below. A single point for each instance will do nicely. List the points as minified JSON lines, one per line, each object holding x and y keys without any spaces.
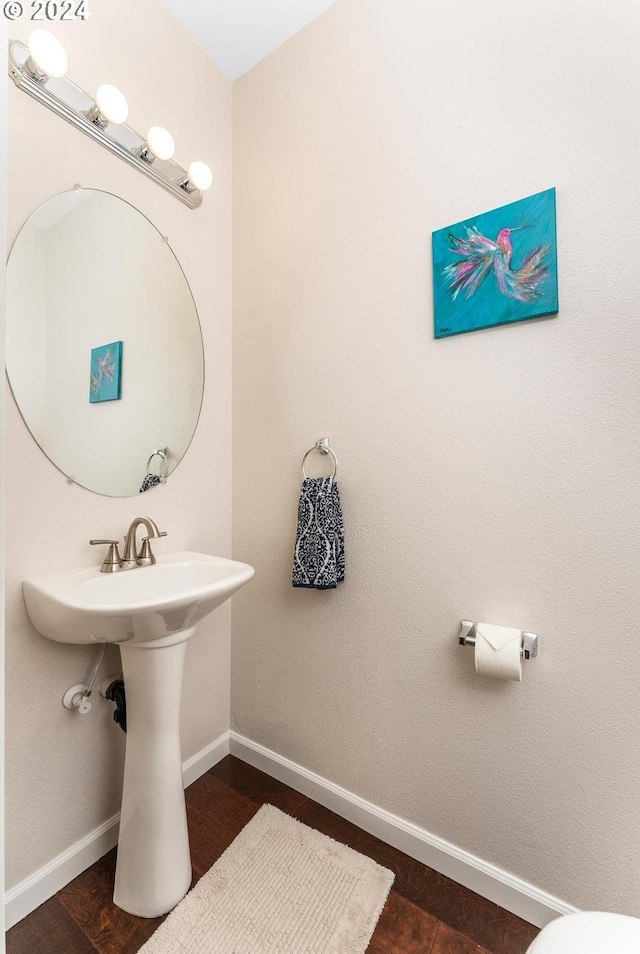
{"x":467,"y":637}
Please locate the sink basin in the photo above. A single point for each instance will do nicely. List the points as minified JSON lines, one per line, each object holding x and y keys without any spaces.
{"x":152,"y":612}
{"x":148,"y":603}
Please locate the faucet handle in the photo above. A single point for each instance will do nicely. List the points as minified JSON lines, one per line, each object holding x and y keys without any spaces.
{"x":146,"y":557}
{"x":111,"y":562}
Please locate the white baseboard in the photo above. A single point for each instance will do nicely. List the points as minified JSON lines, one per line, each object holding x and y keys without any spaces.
{"x":205,"y":759}
{"x":44,"y":883}
{"x":510,"y":892}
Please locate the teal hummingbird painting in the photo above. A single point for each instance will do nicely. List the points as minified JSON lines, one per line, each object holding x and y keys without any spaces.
{"x":496,"y":268}
{"x":106,"y":373}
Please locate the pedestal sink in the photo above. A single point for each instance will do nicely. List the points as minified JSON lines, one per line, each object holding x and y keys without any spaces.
{"x":151,"y":612}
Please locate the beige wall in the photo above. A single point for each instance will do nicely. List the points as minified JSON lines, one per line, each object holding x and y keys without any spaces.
{"x":63,"y":771}
{"x":3,"y":256}
{"x":493,"y":475}
{"x":26,"y":338}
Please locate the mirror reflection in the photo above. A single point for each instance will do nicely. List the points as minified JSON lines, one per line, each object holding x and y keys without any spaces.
{"x":104,"y":347}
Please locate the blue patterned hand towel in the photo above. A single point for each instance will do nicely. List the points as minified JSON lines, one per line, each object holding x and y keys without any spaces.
{"x":318,"y":561}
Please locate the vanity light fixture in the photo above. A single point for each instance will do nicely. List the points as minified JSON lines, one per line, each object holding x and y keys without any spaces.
{"x":159,"y":145}
{"x":39,"y":69}
{"x":110,"y":107}
{"x":199,"y":176}
{"x":47,"y":57}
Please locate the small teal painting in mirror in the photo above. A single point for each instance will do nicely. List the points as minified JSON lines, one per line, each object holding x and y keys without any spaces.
{"x":497,"y":267}
{"x":106,"y":372}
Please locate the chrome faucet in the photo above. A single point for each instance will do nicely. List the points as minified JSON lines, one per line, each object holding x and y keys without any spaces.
{"x":132,"y":556}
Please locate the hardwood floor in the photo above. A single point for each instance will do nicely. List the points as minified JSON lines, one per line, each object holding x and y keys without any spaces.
{"x":426,"y":913}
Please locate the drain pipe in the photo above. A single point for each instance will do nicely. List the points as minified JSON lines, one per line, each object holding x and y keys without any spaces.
{"x":112,"y":689}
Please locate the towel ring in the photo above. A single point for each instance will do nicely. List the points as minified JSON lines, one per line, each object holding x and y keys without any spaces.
{"x":164,"y":466}
{"x":323,"y":447}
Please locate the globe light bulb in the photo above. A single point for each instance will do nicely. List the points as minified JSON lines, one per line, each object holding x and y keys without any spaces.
{"x":200,"y":176}
{"x":47,"y":56}
{"x":160,"y":142}
{"x":111,"y":104}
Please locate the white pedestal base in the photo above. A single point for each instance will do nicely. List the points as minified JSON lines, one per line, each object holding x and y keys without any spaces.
{"x":153,"y":871}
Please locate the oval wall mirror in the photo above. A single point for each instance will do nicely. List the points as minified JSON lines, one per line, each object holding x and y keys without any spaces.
{"x":104,"y":347}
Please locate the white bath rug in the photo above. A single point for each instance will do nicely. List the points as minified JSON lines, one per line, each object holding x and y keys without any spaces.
{"x":279,"y":888}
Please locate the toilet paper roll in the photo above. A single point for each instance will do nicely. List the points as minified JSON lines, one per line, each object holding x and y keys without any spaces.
{"x":498,"y":651}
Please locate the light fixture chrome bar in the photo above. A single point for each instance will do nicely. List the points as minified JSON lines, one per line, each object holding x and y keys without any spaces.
{"x":73,"y":104}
